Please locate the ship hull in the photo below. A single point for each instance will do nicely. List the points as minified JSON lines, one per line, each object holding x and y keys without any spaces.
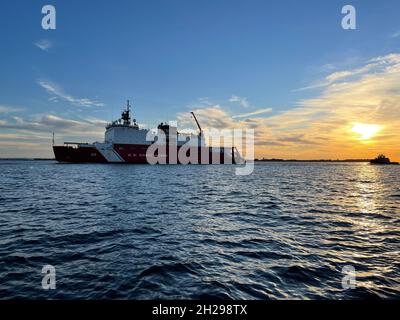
{"x":136,"y":154}
{"x":126,"y":142}
{"x":77,"y":155}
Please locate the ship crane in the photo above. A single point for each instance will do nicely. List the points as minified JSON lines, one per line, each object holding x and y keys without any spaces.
{"x":198,"y":124}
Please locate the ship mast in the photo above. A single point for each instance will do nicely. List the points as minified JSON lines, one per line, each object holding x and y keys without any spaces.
{"x":125,"y":116}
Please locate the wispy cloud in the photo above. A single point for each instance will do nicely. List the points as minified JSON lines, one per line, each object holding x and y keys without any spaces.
{"x":312,"y":87}
{"x":254,"y":113}
{"x":44,"y":44}
{"x":345,"y":75}
{"x":56,"y":92}
{"x":211,"y":117}
{"x":337,"y":76}
{"x":240,"y":100}
{"x":8,"y":109}
{"x":395,"y":34}
{"x":53,"y":123}
{"x":31,"y":136}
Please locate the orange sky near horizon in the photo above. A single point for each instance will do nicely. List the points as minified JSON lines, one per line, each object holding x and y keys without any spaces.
{"x":355,"y":114}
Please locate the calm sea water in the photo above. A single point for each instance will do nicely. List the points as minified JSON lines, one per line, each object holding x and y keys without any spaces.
{"x":142,"y":232}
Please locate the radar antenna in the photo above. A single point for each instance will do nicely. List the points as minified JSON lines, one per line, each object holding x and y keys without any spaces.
{"x":126,"y":114}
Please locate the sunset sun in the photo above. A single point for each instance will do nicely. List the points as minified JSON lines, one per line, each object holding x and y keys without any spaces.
{"x":365,"y":131}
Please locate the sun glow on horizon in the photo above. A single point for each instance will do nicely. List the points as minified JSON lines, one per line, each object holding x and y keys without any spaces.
{"x":366,"y":131}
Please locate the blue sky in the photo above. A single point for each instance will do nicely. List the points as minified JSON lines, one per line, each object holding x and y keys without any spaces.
{"x":170,"y":57}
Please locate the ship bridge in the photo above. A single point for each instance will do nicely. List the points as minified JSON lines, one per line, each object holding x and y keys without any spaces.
{"x":125,"y":130}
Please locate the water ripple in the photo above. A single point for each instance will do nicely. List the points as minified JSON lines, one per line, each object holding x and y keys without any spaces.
{"x":199,"y":232}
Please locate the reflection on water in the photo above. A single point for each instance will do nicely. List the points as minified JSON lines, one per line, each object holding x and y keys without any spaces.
{"x":115,"y":231}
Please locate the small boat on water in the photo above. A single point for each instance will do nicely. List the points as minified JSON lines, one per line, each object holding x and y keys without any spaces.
{"x":382,"y":159}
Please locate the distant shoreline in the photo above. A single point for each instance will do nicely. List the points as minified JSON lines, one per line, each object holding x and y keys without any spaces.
{"x":315,"y":160}
{"x":255,"y":160}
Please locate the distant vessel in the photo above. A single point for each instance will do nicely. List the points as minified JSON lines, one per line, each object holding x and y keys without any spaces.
{"x":125,"y":142}
{"x":381,"y":159}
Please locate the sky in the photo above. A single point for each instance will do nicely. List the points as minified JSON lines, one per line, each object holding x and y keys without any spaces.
{"x":287,"y":69}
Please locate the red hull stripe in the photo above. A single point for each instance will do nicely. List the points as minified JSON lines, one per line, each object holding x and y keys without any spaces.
{"x":132,"y":153}
{"x":129,"y":153}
